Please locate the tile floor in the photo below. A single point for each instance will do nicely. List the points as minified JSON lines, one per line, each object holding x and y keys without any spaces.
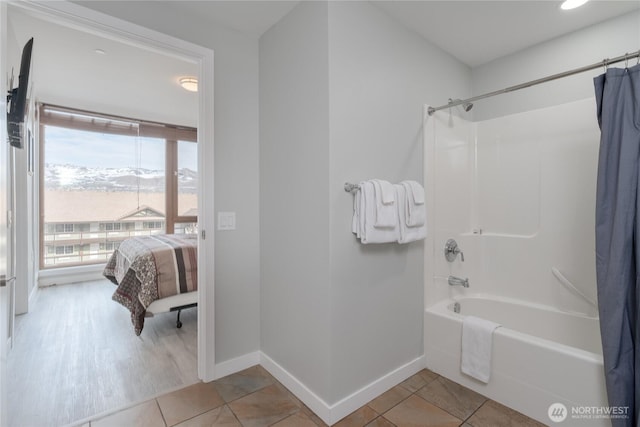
{"x":253,"y":398}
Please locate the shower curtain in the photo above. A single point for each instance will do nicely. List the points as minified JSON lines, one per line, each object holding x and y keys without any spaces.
{"x":618,"y":237}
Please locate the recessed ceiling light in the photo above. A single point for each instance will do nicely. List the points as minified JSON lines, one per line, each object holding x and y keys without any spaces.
{"x":572,"y":4}
{"x":100,"y":52}
{"x":189,"y":83}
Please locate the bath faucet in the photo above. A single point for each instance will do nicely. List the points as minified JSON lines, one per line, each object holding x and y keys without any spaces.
{"x":456,"y":281}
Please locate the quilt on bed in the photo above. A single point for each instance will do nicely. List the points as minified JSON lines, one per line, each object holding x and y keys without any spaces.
{"x":149,"y":268}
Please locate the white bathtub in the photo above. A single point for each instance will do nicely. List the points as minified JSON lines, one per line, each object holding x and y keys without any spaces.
{"x":540,"y":356}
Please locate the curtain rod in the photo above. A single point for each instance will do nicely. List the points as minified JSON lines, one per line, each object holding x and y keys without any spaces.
{"x":604,"y":63}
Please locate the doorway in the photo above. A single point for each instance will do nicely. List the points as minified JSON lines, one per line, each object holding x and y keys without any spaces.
{"x":81,"y":19}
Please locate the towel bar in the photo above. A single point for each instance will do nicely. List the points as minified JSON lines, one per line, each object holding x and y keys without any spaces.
{"x":349,"y":187}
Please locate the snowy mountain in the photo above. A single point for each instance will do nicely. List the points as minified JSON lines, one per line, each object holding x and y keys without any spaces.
{"x":79,"y":178}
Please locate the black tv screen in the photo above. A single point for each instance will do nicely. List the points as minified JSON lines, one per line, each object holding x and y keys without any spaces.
{"x":18,"y":99}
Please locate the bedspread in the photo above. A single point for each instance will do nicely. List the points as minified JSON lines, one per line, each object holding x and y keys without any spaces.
{"x":152,"y":267}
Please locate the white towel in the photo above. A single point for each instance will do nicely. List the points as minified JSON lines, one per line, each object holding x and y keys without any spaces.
{"x":388,"y":193}
{"x":418,"y":192}
{"x":367,"y":211}
{"x":407,"y":234}
{"x":477,"y":340}
{"x":415,"y":213}
{"x":355,"y":221}
{"x":386,"y":214}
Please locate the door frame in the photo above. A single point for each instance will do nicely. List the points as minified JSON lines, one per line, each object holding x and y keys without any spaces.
{"x":4,"y":261}
{"x":97,"y":23}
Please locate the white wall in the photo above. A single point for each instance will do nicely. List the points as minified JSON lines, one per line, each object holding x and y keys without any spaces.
{"x":609,"y":39}
{"x":127,"y":80}
{"x":27,"y":260}
{"x":20,"y":180}
{"x":4,"y":248}
{"x":381,"y":75}
{"x":237,"y":274}
{"x":342,"y":91}
{"x":294,"y":196}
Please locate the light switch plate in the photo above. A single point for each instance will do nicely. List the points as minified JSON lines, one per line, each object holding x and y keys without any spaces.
{"x":226,"y":221}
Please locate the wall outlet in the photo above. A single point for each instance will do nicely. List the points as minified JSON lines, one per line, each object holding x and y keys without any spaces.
{"x":226,"y":220}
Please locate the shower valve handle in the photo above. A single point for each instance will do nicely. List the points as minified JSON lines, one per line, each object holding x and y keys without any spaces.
{"x":451,"y":250}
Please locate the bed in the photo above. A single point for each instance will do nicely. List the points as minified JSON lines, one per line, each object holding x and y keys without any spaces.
{"x":155,"y":274}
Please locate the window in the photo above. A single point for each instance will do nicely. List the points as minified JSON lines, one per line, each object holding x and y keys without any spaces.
{"x":182,"y":185}
{"x":64,"y":250}
{"x":186,"y":228}
{"x":152,"y":224}
{"x":110,"y":178}
{"x":109,"y":246}
{"x":110,"y":226}
{"x":187,"y":182}
{"x":81,"y":228}
{"x":64,"y":228}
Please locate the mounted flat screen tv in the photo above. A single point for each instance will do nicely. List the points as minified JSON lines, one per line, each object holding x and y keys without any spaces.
{"x":17,"y":100}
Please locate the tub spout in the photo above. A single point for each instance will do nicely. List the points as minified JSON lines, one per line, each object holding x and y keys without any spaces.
{"x":457,"y":281}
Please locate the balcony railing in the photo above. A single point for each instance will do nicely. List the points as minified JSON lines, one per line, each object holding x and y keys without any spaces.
{"x":95,"y":238}
{"x":91,"y":256}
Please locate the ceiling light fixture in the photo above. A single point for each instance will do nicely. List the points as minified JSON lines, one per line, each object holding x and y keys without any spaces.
{"x":189,"y":83}
{"x":572,"y":4}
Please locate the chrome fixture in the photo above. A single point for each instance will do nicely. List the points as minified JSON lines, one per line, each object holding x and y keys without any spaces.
{"x":456,"y":281}
{"x":466,"y":106}
{"x":456,"y":307}
{"x":451,"y":250}
{"x":604,"y":62}
{"x":349,"y":187}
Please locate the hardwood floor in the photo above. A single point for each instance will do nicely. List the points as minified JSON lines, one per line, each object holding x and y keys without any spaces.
{"x":76,"y":355}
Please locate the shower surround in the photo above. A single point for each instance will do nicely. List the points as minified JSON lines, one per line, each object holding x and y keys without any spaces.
{"x":518,"y":195}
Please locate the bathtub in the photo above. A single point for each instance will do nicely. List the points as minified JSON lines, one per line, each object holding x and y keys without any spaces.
{"x":540,"y":357}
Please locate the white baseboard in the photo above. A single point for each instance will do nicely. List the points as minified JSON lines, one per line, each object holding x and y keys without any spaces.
{"x":236,"y":364}
{"x":331,"y":414}
{"x":321,"y":408}
{"x":33,"y":296}
{"x":66,"y":275}
{"x":374,"y":389}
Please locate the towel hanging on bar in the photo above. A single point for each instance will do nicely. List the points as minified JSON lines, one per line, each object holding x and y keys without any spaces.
{"x":409,"y":223}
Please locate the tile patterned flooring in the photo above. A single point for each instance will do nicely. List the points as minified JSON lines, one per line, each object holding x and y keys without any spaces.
{"x":253,"y":398}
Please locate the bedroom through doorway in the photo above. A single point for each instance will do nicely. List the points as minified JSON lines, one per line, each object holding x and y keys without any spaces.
{"x":114,"y":156}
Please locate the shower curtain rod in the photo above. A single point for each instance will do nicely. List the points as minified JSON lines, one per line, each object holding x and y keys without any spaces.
{"x":604,"y":63}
